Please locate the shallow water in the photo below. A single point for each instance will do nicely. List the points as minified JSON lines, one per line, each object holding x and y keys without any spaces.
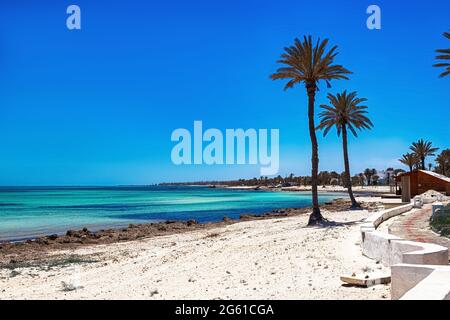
{"x":29,"y":212}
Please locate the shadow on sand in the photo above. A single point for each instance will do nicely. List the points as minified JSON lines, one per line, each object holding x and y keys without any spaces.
{"x":331,"y":224}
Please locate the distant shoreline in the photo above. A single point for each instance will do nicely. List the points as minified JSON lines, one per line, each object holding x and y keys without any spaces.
{"x":366,"y":190}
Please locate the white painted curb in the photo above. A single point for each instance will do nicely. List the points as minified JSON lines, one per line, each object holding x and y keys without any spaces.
{"x":416,"y":267}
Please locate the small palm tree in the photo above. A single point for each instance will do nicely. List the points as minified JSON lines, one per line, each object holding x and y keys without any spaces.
{"x":410,"y":160}
{"x":345,"y":112}
{"x":423,"y":149}
{"x":444,"y":56}
{"x":306,"y":63}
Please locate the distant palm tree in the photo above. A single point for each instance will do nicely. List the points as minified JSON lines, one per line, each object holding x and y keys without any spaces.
{"x":368,"y":173}
{"x":345,"y":113}
{"x":361,"y":179}
{"x":307,"y":63}
{"x":409,"y":160}
{"x":443,"y":161}
{"x":423,"y":149}
{"x":444,"y":56}
{"x":375,"y":179}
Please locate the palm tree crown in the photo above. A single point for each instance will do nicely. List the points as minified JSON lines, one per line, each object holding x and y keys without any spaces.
{"x":423,"y":149}
{"x":345,"y":111}
{"x":309,"y":63}
{"x":445,"y":55}
{"x":410,"y":160}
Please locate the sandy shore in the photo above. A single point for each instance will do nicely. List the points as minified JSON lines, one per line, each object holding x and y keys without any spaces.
{"x":275,"y":258}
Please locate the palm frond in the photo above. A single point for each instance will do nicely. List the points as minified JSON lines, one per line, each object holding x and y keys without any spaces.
{"x":444,"y":56}
{"x":344,"y":110}
{"x":422,"y":148}
{"x":309,"y":63}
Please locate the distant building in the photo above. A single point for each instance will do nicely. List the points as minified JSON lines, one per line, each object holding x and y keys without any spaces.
{"x":420,"y":181}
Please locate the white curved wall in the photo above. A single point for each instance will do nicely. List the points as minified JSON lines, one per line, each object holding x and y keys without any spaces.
{"x":416,"y":267}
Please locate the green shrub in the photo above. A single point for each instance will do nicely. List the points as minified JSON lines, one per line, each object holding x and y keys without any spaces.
{"x":440,"y":222}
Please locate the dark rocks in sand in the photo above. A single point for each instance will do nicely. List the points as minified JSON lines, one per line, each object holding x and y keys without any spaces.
{"x":162,"y":228}
{"x":84,"y":233}
{"x":271,"y":215}
{"x":226,"y":219}
{"x":191,"y":223}
{"x":247,"y":216}
{"x":42,"y":241}
{"x":71,"y":233}
{"x":52,"y":237}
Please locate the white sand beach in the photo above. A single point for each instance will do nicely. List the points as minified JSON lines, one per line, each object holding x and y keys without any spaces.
{"x":261,"y":259}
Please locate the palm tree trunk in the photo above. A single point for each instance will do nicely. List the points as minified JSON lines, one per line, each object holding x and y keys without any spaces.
{"x":423,"y":163}
{"x":315,"y":217}
{"x":347,"y":168}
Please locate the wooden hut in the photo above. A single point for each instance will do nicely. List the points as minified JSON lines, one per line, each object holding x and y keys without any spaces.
{"x":420,"y":181}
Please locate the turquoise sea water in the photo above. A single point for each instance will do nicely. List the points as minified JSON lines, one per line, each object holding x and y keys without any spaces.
{"x":29,"y":212}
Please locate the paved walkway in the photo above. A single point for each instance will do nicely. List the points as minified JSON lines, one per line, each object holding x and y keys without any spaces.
{"x":416,"y":227}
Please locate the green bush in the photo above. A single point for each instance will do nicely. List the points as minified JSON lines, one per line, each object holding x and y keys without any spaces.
{"x":440,"y":222}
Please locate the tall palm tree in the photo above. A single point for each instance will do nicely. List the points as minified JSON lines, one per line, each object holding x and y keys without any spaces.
{"x":345,"y":112}
{"x":307,"y":63}
{"x":444,"y":56}
{"x":423,"y":149}
{"x":409,"y":160}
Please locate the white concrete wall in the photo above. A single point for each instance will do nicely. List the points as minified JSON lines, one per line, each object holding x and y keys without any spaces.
{"x":377,"y":245}
{"x":420,"y":282}
{"x":416,"y":267}
{"x":404,"y":277}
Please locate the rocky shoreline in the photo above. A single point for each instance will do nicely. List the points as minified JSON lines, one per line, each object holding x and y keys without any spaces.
{"x":12,"y":253}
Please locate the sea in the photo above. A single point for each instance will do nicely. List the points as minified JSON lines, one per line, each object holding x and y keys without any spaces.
{"x":30,"y":212}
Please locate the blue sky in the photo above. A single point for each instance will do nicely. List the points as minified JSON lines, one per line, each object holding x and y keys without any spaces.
{"x":97,"y":106}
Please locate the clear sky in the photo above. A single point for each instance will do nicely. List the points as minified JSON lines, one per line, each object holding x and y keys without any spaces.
{"x":97,"y":106}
